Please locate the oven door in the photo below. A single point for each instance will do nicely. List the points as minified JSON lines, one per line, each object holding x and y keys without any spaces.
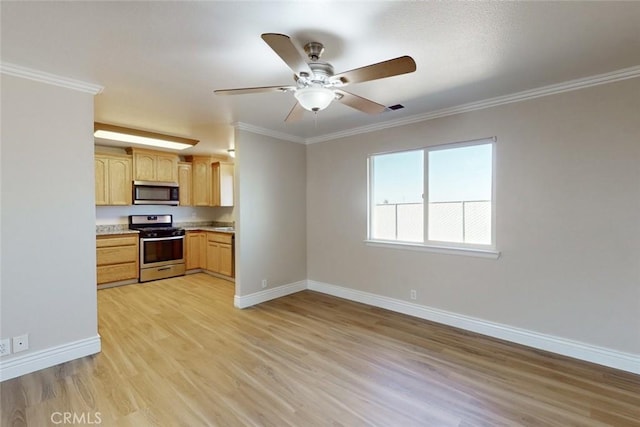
{"x":159,"y":251}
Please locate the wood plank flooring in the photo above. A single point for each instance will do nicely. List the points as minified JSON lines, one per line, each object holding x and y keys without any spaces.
{"x":177,"y":353}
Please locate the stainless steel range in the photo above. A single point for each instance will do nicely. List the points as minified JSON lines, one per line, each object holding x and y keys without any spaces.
{"x":161,"y":246}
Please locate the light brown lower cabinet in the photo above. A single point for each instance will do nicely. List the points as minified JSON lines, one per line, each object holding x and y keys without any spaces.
{"x":210,"y":251}
{"x":196,"y":249}
{"x":226,"y":259}
{"x":220,"y":253}
{"x":213,"y":256}
{"x":117,"y":258}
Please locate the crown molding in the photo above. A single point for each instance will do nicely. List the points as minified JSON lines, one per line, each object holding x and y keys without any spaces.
{"x":582,"y":83}
{"x":623,"y":74}
{"x":267,"y":132}
{"x":48,"y":78}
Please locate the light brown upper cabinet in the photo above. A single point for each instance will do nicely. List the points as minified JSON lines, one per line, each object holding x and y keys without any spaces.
{"x":185,"y":183}
{"x":113,"y":179}
{"x":212,"y":181}
{"x":222,"y":190}
{"x":201,"y":174}
{"x":149,"y":165}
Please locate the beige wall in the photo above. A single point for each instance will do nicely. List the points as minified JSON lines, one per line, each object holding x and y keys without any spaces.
{"x":48,"y":222}
{"x":568,"y":210}
{"x":270,"y":212}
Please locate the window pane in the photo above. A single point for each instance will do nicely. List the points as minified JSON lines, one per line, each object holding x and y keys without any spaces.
{"x":460,"y":189}
{"x":397,"y":196}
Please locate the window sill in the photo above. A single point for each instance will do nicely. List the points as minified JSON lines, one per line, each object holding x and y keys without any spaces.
{"x":479,"y":253}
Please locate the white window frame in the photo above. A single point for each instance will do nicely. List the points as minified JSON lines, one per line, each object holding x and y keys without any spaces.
{"x":469,"y":249}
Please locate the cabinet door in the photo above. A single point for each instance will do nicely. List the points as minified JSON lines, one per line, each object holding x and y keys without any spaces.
{"x":101,"y":165}
{"x":184,"y":181}
{"x":120,"y":182}
{"x":215,"y":184}
{"x":201,"y":193}
{"x":213,"y":256}
{"x":193,"y":250}
{"x":226,"y":260}
{"x":166,"y":168}
{"x":202,"y":248}
{"x":144,"y":167}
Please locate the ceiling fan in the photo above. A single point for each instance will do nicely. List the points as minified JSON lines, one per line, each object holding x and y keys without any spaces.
{"x":316,"y":85}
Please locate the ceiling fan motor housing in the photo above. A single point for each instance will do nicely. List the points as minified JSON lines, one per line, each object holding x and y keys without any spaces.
{"x":314,"y":50}
{"x":322,"y":73}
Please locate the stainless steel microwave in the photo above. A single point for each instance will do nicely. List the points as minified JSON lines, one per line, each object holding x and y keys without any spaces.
{"x":155,"y":193}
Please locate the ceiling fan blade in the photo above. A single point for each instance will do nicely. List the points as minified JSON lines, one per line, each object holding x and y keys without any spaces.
{"x":295,"y":114}
{"x":392,"y":67}
{"x":359,"y":103}
{"x":245,"y":90}
{"x":282,"y":45}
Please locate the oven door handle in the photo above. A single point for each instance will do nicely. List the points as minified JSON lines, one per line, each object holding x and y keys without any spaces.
{"x":156,"y":239}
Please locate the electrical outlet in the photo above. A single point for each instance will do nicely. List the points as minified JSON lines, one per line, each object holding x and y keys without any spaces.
{"x":414,"y":294}
{"x":264,"y":283}
{"x":5,"y":347}
{"x":21,"y":343}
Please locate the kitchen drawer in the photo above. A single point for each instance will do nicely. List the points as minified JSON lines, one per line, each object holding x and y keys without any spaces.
{"x":220,"y":237}
{"x":110,"y":241}
{"x":114,"y":273}
{"x":108,"y":256}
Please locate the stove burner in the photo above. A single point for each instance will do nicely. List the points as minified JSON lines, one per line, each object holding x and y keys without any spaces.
{"x":159,"y":231}
{"x":154,"y":226}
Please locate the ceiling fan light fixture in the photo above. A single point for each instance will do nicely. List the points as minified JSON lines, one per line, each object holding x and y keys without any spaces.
{"x":314,"y":98}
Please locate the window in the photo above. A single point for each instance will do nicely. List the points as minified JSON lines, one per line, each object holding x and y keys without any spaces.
{"x":436,"y":196}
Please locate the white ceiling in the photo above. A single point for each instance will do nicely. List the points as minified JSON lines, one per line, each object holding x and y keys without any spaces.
{"x":160,"y":61}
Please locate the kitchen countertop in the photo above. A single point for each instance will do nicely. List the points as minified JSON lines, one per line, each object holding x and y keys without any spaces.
{"x":115,"y":229}
{"x":111,"y":229}
{"x":211,"y":228}
{"x":110,"y":233}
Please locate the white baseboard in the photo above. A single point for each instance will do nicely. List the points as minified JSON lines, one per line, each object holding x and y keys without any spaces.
{"x":578,"y":350}
{"x":269,"y":294}
{"x":46,"y":358}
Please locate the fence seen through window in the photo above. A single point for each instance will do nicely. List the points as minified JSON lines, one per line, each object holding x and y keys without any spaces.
{"x":458,"y":200}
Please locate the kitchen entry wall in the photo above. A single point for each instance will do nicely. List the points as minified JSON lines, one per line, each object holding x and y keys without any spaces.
{"x":48,"y":262}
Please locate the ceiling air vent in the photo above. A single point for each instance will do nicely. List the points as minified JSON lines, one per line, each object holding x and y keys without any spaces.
{"x":395,"y":107}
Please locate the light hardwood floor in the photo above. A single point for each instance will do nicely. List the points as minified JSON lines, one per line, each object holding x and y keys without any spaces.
{"x":177,"y":353}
